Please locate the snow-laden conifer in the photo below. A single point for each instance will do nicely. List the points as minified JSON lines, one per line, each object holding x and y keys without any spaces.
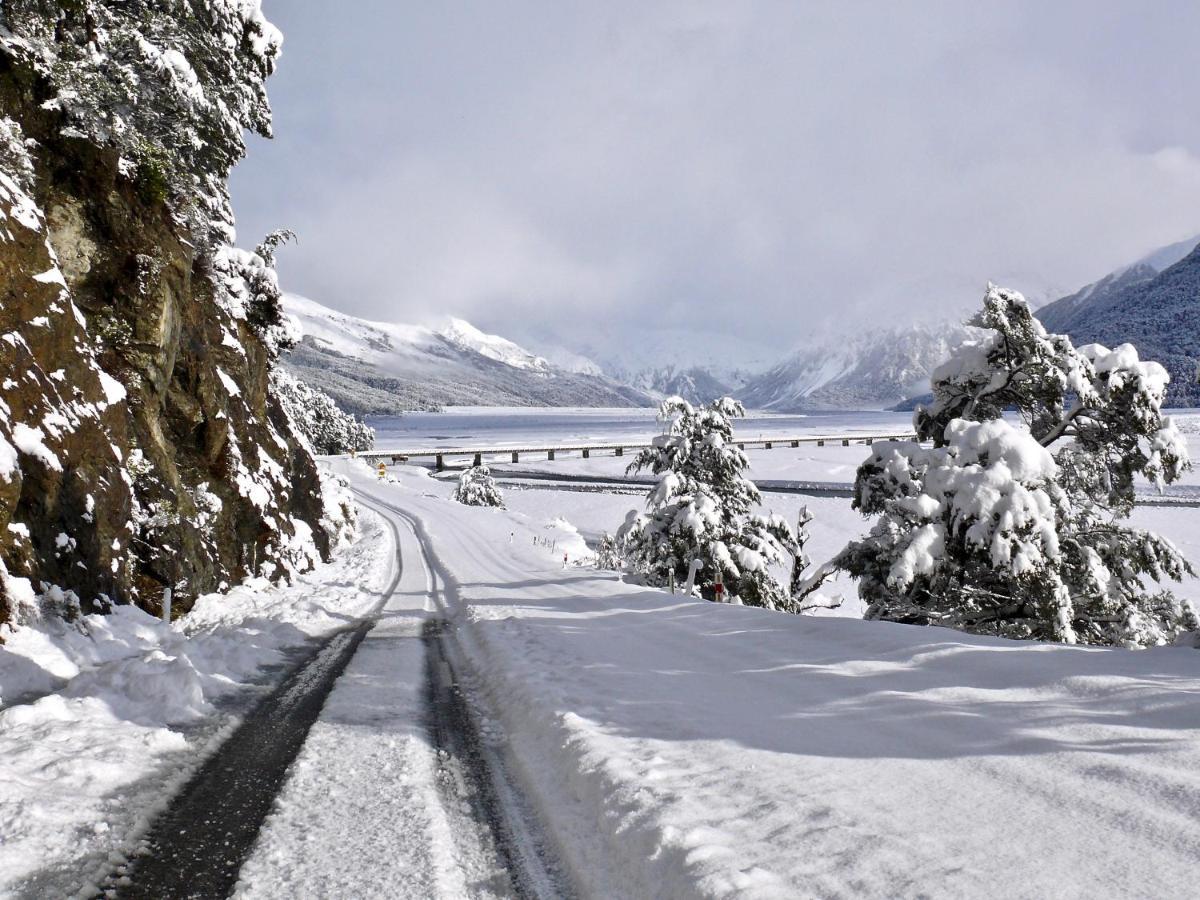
{"x":315,"y":416}
{"x":806,"y":581}
{"x":702,"y":508}
{"x":608,"y":554}
{"x":476,"y":487}
{"x":1015,"y":525}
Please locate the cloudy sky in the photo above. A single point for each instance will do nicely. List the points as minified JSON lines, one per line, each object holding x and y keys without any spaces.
{"x":762,"y":170}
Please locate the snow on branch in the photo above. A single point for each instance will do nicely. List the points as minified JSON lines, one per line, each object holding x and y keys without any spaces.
{"x":702,"y":508}
{"x":1014,"y":526}
{"x":476,"y":487}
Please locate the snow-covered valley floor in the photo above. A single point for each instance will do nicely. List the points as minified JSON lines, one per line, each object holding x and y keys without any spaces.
{"x":664,"y":747}
{"x":679,"y":749}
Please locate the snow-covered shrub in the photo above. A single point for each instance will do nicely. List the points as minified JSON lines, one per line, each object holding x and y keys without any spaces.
{"x":1014,"y":527}
{"x":477,"y":488}
{"x":701,"y":508}
{"x":608,"y":554}
{"x":340,"y":520}
{"x":315,"y":416}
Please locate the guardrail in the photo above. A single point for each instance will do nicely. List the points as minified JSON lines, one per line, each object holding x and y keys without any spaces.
{"x":440,"y":454}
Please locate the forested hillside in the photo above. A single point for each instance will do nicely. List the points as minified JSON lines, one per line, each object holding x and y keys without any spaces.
{"x":1158,"y":312}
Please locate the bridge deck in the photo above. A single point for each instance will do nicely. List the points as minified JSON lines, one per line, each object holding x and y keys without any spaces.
{"x":515,"y":450}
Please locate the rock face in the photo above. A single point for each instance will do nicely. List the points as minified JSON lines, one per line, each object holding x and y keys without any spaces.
{"x":140,"y":447}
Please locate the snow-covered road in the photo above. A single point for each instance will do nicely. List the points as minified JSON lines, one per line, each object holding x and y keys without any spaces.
{"x":401,"y":788}
{"x":681,"y":749}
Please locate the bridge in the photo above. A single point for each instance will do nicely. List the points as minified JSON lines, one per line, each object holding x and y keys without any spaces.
{"x":439,"y":455}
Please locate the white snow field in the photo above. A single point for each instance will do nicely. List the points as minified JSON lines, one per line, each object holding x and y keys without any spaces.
{"x":676,"y":748}
{"x":106,"y":717}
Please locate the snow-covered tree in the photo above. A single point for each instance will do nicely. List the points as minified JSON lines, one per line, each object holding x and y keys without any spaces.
{"x":315,"y":416}
{"x":1016,"y":527}
{"x":476,"y":487}
{"x":702,"y":508}
{"x":173,"y":84}
{"x":608,"y":554}
{"x":805,"y":580}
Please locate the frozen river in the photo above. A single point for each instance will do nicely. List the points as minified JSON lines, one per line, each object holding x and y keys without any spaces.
{"x":490,"y":425}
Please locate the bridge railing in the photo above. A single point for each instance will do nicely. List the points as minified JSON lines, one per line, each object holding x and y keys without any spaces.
{"x":440,"y":454}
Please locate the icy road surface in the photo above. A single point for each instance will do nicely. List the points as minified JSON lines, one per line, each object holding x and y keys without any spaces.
{"x":401,"y":788}
{"x":679,"y":749}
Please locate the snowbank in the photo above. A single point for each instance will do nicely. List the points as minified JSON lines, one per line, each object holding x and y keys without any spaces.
{"x":132,"y":708}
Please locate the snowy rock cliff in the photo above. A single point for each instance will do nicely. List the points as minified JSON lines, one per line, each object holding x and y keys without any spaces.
{"x":140,"y":447}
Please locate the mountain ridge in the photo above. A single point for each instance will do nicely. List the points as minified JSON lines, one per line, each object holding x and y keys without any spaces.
{"x":871,"y":370}
{"x":1074,"y":310}
{"x":1157,"y":314}
{"x":388,"y":368}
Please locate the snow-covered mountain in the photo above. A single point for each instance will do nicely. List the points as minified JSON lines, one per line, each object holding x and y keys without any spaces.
{"x":694,"y":363}
{"x":382,"y":367}
{"x":1076,"y":310}
{"x":1158,"y":311}
{"x":466,"y":336}
{"x":695,"y":384}
{"x":564,"y":359}
{"x":871,"y":370}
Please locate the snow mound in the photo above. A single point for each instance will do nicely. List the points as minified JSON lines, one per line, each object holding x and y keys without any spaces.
{"x":155,"y":689}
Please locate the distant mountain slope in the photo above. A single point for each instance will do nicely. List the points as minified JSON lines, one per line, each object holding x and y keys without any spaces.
{"x":873,"y":370}
{"x":379,"y":367}
{"x":1160,"y":315}
{"x":1072,"y":312}
{"x":691,"y":361}
{"x":466,"y":336}
{"x":695,"y":385}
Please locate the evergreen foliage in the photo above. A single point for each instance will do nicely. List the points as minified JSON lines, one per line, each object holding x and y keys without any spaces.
{"x":1016,"y":528}
{"x":477,"y":488}
{"x":608,"y":555}
{"x":171,"y":84}
{"x":314,"y":415}
{"x":701,"y":508}
{"x":805,"y":583}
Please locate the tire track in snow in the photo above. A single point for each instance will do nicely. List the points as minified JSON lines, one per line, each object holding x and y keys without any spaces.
{"x":489,"y":817}
{"x":196,"y":847}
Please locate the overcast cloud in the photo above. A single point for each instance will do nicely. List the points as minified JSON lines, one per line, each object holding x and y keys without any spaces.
{"x":762,"y":168}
